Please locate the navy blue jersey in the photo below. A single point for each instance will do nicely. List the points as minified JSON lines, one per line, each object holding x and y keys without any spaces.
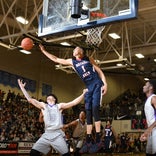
{"x":108,"y":131}
{"x":85,"y":70}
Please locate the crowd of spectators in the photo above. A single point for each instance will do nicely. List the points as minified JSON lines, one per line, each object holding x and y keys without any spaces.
{"x":18,"y":119}
{"x":128,"y":105}
{"x":128,"y":142}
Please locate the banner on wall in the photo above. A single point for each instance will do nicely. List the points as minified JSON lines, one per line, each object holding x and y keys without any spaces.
{"x":15,"y":147}
{"x":8,"y":148}
{"x":24,"y":147}
{"x":9,"y":79}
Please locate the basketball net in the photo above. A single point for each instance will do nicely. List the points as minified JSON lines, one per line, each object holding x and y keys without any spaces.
{"x":94,"y":36}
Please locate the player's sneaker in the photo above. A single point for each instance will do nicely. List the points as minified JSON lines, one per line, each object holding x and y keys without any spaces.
{"x":96,"y":147}
{"x":85,"y":148}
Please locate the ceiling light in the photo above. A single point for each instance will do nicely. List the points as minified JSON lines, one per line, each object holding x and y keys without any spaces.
{"x":25,"y":51}
{"x":154,"y":60}
{"x":97,"y":61}
{"x":146,"y":79}
{"x":22,"y":20}
{"x":57,"y":65}
{"x":114,"y":36}
{"x":139,"y":55}
{"x":65,"y":44}
{"x":119,"y":64}
{"x":130,"y":68}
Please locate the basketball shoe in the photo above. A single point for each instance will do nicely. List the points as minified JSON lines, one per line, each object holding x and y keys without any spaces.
{"x":96,"y":147}
{"x":85,"y":148}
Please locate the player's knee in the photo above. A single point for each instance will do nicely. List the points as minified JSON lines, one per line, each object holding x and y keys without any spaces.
{"x":89,"y":117}
{"x":96,"y":114}
{"x":66,"y":154}
{"x":97,"y":118}
{"x":34,"y":152}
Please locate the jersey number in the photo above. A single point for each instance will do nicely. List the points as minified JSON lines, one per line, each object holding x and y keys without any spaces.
{"x":83,"y":68}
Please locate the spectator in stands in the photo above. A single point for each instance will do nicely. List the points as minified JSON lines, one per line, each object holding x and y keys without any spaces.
{"x":123,"y":147}
{"x":118,"y":144}
{"x":15,"y":123}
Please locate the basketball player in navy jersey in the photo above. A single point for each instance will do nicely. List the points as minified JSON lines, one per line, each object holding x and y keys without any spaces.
{"x":52,"y":116}
{"x":95,"y":81}
{"x":109,"y":135}
{"x":150,"y":112}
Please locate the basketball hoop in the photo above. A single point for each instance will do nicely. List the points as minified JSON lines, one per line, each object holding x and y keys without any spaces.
{"x":94,"y":36}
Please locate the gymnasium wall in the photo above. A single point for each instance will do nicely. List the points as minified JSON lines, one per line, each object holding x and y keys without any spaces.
{"x":66,"y":86}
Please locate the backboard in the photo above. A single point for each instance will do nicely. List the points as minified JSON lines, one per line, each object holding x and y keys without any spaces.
{"x":75,"y":15}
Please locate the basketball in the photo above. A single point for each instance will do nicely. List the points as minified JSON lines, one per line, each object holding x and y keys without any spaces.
{"x":27,"y":43}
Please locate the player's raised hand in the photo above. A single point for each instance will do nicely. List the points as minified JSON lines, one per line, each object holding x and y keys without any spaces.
{"x":21,"y":84}
{"x":41,"y":47}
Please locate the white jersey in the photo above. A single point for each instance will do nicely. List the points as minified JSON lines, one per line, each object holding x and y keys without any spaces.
{"x":149,"y":111}
{"x":80,"y":130}
{"x":53,"y":135}
{"x":52,"y":117}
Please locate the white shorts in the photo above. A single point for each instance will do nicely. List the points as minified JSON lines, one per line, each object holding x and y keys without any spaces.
{"x":48,"y":140}
{"x":151,"y":143}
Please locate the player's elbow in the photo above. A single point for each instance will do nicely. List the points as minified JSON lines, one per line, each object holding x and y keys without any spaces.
{"x":30,"y":100}
{"x":55,"y":60}
{"x":74,"y":103}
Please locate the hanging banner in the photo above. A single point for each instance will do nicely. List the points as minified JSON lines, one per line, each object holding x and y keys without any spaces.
{"x":8,"y":147}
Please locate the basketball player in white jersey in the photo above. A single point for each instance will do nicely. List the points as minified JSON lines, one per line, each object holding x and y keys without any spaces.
{"x":52,"y":116}
{"x":147,"y":132}
{"x":150,"y":112}
{"x":79,"y":132}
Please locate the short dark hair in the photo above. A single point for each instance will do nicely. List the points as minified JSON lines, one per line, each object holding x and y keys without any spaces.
{"x":82,"y":110}
{"x":153,"y":83}
{"x":55,"y":97}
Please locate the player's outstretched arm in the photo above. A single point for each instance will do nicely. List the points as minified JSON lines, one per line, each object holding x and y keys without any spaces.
{"x":147,"y":132}
{"x":54,"y":58}
{"x":41,"y":117}
{"x":101,"y":74}
{"x":70,"y":124}
{"x":74,"y":102}
{"x":22,"y":87}
{"x":35,"y":102}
